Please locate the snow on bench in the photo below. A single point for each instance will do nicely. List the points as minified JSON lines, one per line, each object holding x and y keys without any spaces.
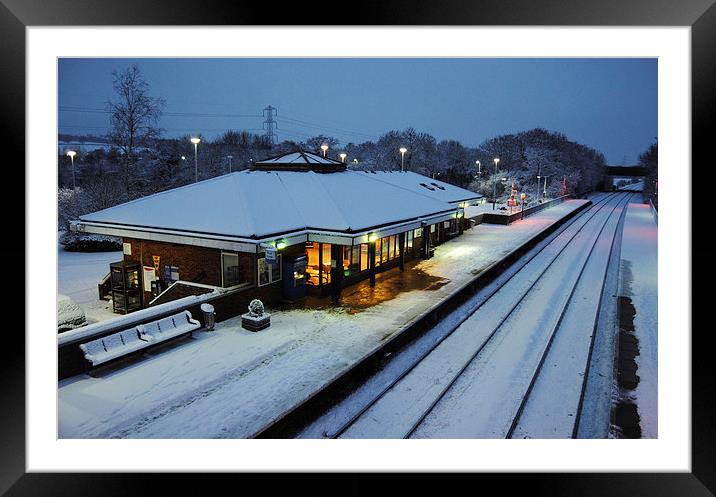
{"x":125,"y":342}
{"x":170,"y":327}
{"x":110,"y":347}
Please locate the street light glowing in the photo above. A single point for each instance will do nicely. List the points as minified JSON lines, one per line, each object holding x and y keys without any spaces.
{"x":196,"y":141}
{"x":324,"y":147}
{"x":343,"y":157}
{"x":71,"y":154}
{"x":402,"y":157}
{"x":497,"y":161}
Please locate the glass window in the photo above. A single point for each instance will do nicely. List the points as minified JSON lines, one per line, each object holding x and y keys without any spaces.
{"x":410,"y":239}
{"x":363,"y":256}
{"x":432,"y":228}
{"x":386,"y":249}
{"x":355,"y":258}
{"x":326,"y":273}
{"x":378,"y":246}
{"x":312,"y":265}
{"x":230,"y":270}
{"x":418,"y":233}
{"x":446,"y":224}
{"x":269,"y":273}
{"x":346,"y":257}
{"x":397,"y":245}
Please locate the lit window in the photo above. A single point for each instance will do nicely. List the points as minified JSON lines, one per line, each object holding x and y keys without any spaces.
{"x":363,"y":256}
{"x":432,"y":228}
{"x":386,"y":248}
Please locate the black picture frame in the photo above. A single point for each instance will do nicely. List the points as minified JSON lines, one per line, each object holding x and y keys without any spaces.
{"x":700,"y":15}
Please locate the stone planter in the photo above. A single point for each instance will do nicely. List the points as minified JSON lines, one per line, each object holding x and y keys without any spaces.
{"x":255,"y":323}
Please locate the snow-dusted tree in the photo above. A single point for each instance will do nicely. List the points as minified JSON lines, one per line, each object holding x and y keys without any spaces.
{"x":71,"y":203}
{"x":650,"y":160}
{"x":314,"y":143}
{"x":134,"y":117}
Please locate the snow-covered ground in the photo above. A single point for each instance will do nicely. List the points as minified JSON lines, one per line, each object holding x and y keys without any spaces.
{"x":78,"y":274}
{"x":640,"y":250}
{"x":230,"y":382}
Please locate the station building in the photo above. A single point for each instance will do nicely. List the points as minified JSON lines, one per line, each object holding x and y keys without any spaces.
{"x":291,"y":225}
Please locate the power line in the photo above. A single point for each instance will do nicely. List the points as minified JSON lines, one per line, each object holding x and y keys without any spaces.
{"x":335,"y":128}
{"x":174,"y":114}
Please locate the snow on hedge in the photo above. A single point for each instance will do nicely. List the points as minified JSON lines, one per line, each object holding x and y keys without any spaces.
{"x":69,"y":314}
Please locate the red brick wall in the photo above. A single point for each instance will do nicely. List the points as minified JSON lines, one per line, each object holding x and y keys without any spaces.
{"x":191,"y":260}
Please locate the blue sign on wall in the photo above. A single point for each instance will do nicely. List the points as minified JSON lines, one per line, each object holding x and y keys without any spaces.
{"x":271,"y":255}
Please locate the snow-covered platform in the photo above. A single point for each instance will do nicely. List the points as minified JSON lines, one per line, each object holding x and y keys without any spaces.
{"x":231,"y":382}
{"x":639,"y":284}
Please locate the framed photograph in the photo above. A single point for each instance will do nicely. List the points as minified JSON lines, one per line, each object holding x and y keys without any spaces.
{"x":623,"y":80}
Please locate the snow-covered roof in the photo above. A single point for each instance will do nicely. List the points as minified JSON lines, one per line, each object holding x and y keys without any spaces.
{"x":257,"y":204}
{"x":423,"y":185}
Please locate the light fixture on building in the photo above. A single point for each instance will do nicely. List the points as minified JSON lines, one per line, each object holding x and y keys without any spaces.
{"x":281,"y":245}
{"x":372,"y":238}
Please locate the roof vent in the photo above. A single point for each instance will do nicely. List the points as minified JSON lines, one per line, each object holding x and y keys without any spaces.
{"x":438,"y":186}
{"x":428,"y":187}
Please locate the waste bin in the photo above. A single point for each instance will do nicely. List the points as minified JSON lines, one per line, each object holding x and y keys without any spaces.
{"x":209,"y":316}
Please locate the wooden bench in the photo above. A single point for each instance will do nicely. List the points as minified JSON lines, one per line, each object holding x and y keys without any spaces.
{"x":125,"y":342}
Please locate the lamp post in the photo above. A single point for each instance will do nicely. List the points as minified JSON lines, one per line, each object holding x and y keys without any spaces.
{"x":538,"y":177}
{"x":229,"y":157}
{"x":71,"y":154}
{"x":544,"y":191}
{"x":343,"y":157}
{"x":479,"y":166}
{"x":402,"y":157}
{"x":196,"y":141}
{"x":324,"y":147}
{"x":494,"y":184}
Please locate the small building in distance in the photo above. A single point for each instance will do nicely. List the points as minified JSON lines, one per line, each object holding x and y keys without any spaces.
{"x":293,"y":224}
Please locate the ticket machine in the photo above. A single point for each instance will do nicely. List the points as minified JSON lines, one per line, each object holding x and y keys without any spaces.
{"x":294,"y":277}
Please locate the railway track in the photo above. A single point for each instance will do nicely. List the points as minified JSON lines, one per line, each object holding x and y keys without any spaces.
{"x":403,"y":400}
{"x":416,"y":396}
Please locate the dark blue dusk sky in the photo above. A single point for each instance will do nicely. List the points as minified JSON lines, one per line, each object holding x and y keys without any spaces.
{"x":608,"y":104}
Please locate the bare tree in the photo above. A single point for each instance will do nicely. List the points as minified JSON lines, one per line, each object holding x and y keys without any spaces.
{"x":133,"y":117}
